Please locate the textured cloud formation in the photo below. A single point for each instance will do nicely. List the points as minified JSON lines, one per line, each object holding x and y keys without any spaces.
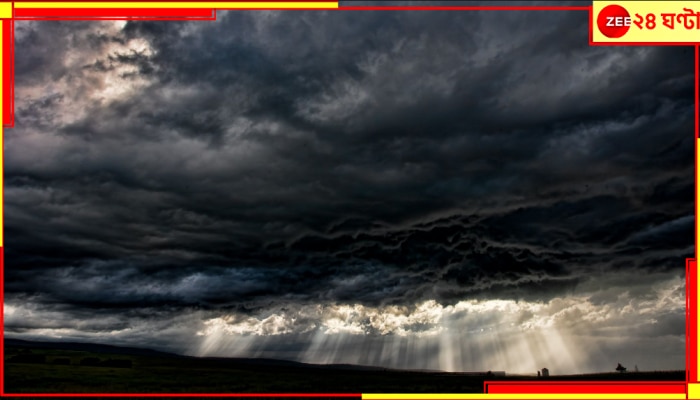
{"x":572,"y":334}
{"x":341,"y":184}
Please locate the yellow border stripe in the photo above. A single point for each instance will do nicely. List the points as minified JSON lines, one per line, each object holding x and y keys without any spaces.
{"x":189,"y":4}
{"x":456,"y":396}
{"x":694,"y":391}
{"x":5,"y":10}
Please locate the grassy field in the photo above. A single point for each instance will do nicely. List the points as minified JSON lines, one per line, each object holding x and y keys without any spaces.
{"x":174,"y":374}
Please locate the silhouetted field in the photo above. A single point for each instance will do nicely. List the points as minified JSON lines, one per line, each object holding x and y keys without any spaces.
{"x":42,"y":369}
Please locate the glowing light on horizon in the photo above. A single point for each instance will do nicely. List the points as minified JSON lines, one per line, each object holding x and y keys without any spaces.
{"x":470,"y":335}
{"x":567,"y":335}
{"x":467,"y":336}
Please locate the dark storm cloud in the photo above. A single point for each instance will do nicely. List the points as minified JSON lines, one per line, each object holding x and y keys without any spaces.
{"x":379,"y":158}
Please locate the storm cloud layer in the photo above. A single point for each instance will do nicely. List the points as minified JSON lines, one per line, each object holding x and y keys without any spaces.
{"x":435,"y":189}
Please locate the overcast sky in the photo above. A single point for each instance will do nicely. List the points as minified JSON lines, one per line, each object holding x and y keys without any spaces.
{"x":463,"y":191}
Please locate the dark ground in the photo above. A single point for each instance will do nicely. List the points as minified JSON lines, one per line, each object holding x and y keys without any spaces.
{"x":154,"y":372}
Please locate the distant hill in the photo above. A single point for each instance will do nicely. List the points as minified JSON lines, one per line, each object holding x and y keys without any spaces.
{"x":221,"y":361}
{"x":231,"y":362}
{"x":73,"y":367}
{"x":89,"y":347}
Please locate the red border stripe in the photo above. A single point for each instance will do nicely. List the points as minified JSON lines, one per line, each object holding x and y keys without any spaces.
{"x":113,"y":12}
{"x":8,"y":72}
{"x":691,"y":297}
{"x":584,"y":387}
{"x":182,"y":1}
{"x":303,"y":395}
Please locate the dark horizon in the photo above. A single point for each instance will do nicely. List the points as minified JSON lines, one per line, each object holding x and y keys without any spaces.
{"x":109,"y":350}
{"x":424,"y":190}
